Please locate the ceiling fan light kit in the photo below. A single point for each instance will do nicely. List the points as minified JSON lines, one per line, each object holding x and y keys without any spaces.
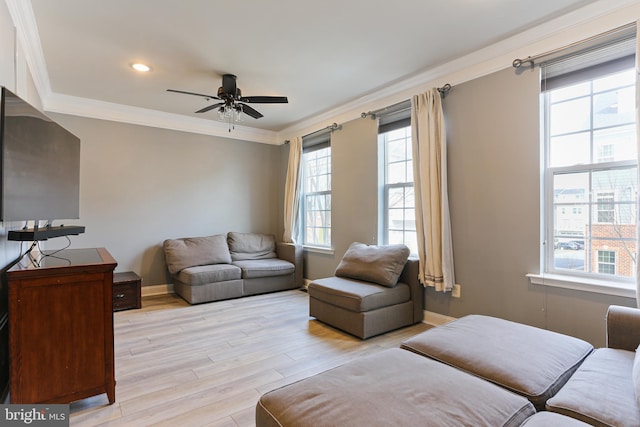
{"x":226,"y":113}
{"x":234,"y":105}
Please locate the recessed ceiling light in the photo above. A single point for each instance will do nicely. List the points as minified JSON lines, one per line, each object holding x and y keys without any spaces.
{"x":140,"y":67}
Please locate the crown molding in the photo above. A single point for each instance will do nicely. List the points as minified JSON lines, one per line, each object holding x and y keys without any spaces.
{"x":27,"y":31}
{"x":91,"y":108}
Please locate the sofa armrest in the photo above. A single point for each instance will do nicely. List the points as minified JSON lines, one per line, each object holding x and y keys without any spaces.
{"x":292,"y":253}
{"x":623,"y":327}
{"x":410,"y":277}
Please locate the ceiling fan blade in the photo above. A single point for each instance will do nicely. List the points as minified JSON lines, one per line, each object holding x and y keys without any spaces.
{"x":250,"y":111}
{"x":229,"y":84}
{"x":193,"y":93}
{"x":265,"y":99}
{"x":210,"y":107}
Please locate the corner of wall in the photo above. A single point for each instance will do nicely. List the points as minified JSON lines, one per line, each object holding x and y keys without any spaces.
{"x":436,"y":319}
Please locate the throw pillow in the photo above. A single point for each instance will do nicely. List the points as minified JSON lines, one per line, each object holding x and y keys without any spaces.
{"x":378,"y":264}
{"x":635,"y":374}
{"x":244,"y":246}
{"x":192,"y":251}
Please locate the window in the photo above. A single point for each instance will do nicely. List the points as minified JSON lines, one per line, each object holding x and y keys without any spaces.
{"x":399,"y":208}
{"x":605,"y":207}
{"x":591,"y":171}
{"x":607,"y":262}
{"x":316,"y":198}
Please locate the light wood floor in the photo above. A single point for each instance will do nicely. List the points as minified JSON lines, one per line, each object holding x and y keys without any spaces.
{"x":207,"y":364}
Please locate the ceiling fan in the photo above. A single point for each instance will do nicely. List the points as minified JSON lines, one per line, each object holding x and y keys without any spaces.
{"x":233,"y":103}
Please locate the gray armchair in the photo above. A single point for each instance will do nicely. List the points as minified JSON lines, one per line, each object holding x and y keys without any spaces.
{"x":375,"y":290}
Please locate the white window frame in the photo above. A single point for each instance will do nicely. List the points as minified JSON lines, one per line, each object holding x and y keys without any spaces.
{"x":387,"y":187}
{"x":307,"y":195}
{"x":613,"y":254}
{"x":605,"y":204}
{"x":590,"y":282}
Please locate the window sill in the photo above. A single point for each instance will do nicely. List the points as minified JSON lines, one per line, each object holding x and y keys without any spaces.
{"x":627,"y":290}
{"x":318,"y":250}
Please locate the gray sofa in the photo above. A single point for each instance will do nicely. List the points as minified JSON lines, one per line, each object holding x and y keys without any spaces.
{"x":219,"y":267}
{"x":605,"y":390}
{"x":475,"y":371}
{"x":375,"y":290}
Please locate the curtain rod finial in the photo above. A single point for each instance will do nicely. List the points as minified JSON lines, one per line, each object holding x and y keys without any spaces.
{"x":444,"y":90}
{"x":518,"y":63}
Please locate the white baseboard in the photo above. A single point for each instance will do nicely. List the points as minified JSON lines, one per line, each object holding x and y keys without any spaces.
{"x":430,"y":317}
{"x":157,"y":290}
{"x":436,"y":319}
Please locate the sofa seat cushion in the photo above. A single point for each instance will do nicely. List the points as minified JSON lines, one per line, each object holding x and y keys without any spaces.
{"x":551,"y":419}
{"x":601,"y":391}
{"x":202,"y":275}
{"x":264,"y":268}
{"x":393,"y":387}
{"x":530,"y":361}
{"x":356,"y":295}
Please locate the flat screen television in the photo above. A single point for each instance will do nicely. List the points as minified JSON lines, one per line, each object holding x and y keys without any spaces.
{"x":40,"y":165}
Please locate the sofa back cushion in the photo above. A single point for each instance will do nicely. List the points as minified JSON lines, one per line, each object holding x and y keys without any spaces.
{"x":378,"y":264}
{"x":245,"y":246}
{"x":192,"y":251}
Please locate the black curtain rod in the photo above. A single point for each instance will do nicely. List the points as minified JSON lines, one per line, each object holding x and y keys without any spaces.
{"x":403,"y":105}
{"x":617,"y":34}
{"x":444,"y":90}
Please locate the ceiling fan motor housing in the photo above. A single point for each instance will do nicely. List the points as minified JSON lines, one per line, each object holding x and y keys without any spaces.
{"x":229,"y":84}
{"x":229,"y":96}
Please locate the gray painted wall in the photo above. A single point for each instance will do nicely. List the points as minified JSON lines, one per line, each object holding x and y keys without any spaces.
{"x":494,"y":194}
{"x":141,"y":185}
{"x":354,"y":189}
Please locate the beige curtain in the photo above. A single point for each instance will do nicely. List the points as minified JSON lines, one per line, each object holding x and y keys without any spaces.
{"x":638,"y":146}
{"x":292,"y":190}
{"x":433,"y":224}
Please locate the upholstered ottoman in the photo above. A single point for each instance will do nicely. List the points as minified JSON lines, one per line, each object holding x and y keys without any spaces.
{"x":360,"y":308}
{"x":392,"y":388}
{"x":529,"y":361}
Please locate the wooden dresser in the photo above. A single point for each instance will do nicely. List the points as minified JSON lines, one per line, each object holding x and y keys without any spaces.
{"x":61,"y":327}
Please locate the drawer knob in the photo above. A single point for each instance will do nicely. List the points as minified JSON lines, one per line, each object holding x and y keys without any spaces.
{"x":119,"y":296}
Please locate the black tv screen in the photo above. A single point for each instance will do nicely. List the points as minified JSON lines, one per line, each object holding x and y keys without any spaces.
{"x":40,"y":165}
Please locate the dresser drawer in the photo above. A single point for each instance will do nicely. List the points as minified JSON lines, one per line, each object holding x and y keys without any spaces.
{"x":126,"y":291}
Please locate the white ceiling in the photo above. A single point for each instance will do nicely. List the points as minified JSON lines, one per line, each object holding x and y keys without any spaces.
{"x":321,"y":54}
